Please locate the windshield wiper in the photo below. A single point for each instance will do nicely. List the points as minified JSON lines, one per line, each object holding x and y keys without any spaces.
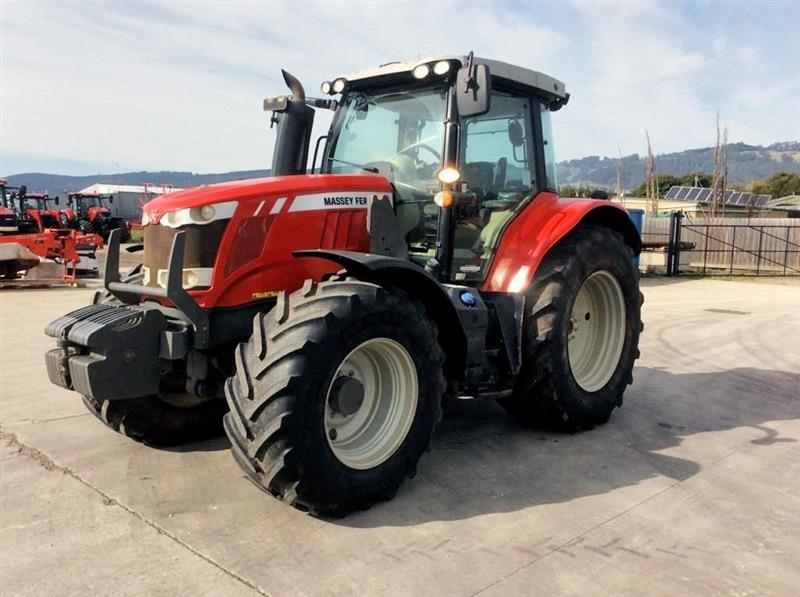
{"x":362,"y":166}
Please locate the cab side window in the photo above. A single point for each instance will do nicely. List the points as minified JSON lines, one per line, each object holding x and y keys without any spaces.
{"x":498,"y":172}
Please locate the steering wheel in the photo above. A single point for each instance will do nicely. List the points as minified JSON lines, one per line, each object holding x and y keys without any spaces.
{"x":421,"y":145}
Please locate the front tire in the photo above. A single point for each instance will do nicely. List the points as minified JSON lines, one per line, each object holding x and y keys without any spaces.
{"x":336,"y":395}
{"x":154,"y":421}
{"x":580,"y":333}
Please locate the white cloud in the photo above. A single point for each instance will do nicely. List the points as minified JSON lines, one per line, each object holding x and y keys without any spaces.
{"x":179,"y":86}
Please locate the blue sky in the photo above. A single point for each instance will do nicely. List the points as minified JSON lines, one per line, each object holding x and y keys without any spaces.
{"x":90,"y":88}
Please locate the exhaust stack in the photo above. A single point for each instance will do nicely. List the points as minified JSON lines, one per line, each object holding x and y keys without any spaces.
{"x":294,"y":119}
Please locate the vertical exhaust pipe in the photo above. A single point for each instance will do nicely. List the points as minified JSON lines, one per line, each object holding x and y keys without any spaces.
{"x":294,"y":120}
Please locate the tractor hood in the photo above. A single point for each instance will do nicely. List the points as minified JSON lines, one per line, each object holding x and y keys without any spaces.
{"x":259,"y":189}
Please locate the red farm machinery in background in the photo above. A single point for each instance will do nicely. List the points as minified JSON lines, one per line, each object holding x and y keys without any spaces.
{"x":31,"y":230}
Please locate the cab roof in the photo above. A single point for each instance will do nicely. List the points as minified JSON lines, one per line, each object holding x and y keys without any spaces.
{"x":538,"y":82}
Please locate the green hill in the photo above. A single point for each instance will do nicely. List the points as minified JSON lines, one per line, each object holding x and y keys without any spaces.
{"x":746,"y":162}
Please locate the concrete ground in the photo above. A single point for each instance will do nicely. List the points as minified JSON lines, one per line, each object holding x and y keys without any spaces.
{"x":693,"y":487}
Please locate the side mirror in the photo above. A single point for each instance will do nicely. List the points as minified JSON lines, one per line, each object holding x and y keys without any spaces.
{"x":515,"y":134}
{"x":473,"y":89}
{"x":111,"y":198}
{"x":57,"y":200}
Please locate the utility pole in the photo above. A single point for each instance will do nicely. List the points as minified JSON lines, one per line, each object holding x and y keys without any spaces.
{"x":651,"y":179}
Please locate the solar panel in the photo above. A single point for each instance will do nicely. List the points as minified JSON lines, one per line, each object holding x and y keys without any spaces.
{"x":703,"y":195}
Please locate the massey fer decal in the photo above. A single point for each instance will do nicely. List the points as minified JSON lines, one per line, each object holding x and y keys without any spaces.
{"x":345,"y":200}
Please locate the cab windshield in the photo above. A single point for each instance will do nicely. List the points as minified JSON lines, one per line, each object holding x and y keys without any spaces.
{"x":87,"y":202}
{"x":397,"y":134}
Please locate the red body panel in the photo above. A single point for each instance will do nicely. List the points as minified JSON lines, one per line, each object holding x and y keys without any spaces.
{"x":95,"y":211}
{"x":37,"y":214}
{"x":545,"y":221}
{"x":255,"y":259}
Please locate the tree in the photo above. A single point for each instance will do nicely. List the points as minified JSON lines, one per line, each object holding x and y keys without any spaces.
{"x":580,"y":191}
{"x":696,"y":179}
{"x":783,"y":184}
{"x":780,"y":184}
{"x":665,"y":182}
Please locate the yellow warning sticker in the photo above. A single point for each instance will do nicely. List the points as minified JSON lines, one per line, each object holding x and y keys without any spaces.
{"x":266,"y":294}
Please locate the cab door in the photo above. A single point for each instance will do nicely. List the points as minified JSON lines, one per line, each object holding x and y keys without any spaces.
{"x":500,"y":162}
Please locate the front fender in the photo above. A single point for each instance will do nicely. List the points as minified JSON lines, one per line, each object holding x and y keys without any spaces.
{"x":544,"y":222}
{"x":419,"y":284}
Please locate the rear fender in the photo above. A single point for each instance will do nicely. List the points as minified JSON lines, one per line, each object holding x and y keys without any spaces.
{"x":539,"y":227}
{"x":420,"y":285}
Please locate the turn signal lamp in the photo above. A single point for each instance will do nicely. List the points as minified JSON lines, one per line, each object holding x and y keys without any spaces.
{"x":448,"y":175}
{"x":443,"y":198}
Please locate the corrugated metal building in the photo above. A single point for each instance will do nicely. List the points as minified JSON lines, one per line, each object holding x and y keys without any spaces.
{"x":128,"y":199}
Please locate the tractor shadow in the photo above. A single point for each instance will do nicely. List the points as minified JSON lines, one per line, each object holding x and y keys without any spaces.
{"x":482,"y":462}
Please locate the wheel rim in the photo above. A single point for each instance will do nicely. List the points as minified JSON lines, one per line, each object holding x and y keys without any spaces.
{"x":371,"y":403}
{"x":596,"y":331}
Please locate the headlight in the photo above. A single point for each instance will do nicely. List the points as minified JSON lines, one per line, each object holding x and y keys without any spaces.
{"x":339,"y":85}
{"x":421,"y":71}
{"x":207,"y":212}
{"x":441,"y":67}
{"x":199,"y":215}
{"x":326,"y":88}
{"x":449,"y":175}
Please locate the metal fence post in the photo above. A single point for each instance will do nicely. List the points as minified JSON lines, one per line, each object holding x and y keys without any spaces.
{"x":760,"y":238}
{"x":786,"y":250}
{"x":676,"y":266}
{"x":671,"y":243}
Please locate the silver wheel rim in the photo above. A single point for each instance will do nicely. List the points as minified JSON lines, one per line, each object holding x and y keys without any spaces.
{"x":371,"y":434}
{"x":596,"y":331}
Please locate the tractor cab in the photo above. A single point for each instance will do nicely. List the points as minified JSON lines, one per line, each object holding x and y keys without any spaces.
{"x":8,"y":217}
{"x":458,"y":132}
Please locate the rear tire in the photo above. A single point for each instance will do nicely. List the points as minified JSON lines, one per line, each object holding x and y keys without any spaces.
{"x":282,"y":396}
{"x":580,"y":333}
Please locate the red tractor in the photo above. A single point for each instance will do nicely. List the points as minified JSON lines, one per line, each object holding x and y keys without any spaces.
{"x":36,"y":212}
{"x":90,"y":213}
{"x":331,"y":312}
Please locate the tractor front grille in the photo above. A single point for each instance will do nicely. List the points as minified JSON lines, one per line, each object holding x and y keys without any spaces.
{"x":202,"y":244}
